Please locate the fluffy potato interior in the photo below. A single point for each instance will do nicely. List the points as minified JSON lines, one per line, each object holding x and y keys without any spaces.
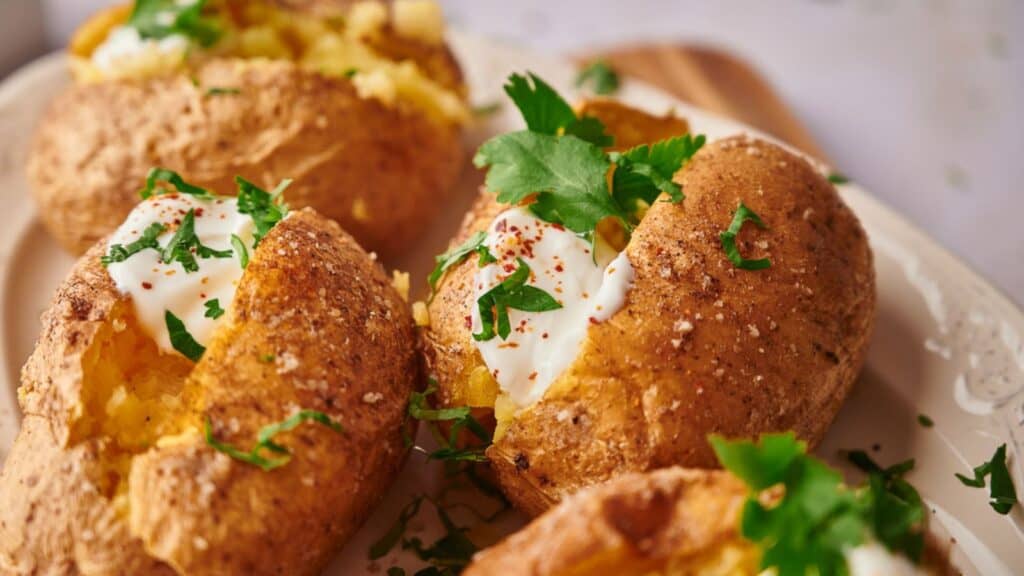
{"x":132,"y":394}
{"x":358,"y":44}
{"x":735,"y":558}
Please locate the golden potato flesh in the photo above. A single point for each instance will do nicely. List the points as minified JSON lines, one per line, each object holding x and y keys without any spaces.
{"x":699,"y":346}
{"x":380,"y":169}
{"x":111,"y":473}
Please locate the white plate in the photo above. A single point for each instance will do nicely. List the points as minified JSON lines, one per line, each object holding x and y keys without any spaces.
{"x":946,"y":343}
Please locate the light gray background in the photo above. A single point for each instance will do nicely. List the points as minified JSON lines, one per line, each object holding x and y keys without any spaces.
{"x":918,"y":100}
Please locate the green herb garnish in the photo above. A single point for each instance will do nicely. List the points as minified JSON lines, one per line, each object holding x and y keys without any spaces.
{"x":393,"y":536}
{"x":599,"y":76}
{"x":513,"y":292}
{"x":925,"y":420}
{"x":241,"y":250}
{"x":1002,"y":493}
{"x":220,"y":91}
{"x":119,"y":253}
{"x":265,"y":208}
{"x":350,"y":72}
{"x":264,"y":440}
{"x":181,"y":340}
{"x":461,"y":418}
{"x":816,"y":519}
{"x":213,"y":309}
{"x":837,"y":178}
{"x":162,"y":18}
{"x":559,"y":162}
{"x":729,"y":240}
{"x":443,"y":262}
{"x":158,"y":175}
{"x":267,"y":358}
{"x":185,"y":246}
{"x":644,"y":172}
{"x":489,"y":109}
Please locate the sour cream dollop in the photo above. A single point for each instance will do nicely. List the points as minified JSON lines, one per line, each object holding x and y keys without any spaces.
{"x":125,"y":47}
{"x":156,"y":287}
{"x":873,"y":559}
{"x":543,"y":344}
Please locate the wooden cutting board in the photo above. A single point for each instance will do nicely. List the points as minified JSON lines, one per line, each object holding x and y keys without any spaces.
{"x":714,"y":80}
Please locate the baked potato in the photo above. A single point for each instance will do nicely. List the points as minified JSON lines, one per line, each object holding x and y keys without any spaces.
{"x":672,"y":522}
{"x":360,"y":103}
{"x":134,"y":459}
{"x":693,"y":324}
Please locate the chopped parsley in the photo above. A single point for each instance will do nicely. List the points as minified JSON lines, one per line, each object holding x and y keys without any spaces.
{"x":241,"y":250}
{"x":1002,"y":493}
{"x":925,"y":420}
{"x":221,"y":91}
{"x":489,"y":109}
{"x":181,"y":340}
{"x":185,"y":246}
{"x":213,"y":309}
{"x":559,"y":163}
{"x":443,"y":262}
{"x":350,"y":72}
{"x":808,"y":528}
{"x":460,"y":418}
{"x":448,"y":556}
{"x":513,"y":292}
{"x":600,"y":77}
{"x":729,"y":240}
{"x":159,"y":175}
{"x":265,"y":208}
{"x":120,"y":253}
{"x":265,"y":442}
{"x":267,"y":358}
{"x":837,"y":178}
{"x":162,"y":18}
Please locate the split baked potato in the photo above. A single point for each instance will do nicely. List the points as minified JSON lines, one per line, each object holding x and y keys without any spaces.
{"x":360,"y":103}
{"x":135,"y":460}
{"x":694,"y":345}
{"x":687,"y":522}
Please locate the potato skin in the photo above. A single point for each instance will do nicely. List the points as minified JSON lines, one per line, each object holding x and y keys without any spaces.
{"x":311,"y":297}
{"x":97,"y":142}
{"x":769,"y":350}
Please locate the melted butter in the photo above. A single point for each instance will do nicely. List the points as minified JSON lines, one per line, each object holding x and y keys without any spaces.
{"x":543,"y":344}
{"x":155,"y":287}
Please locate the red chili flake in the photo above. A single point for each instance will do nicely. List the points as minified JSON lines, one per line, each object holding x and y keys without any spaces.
{"x":593,"y":320}
{"x":544,"y":335}
{"x":469,"y":322}
{"x":147,"y":285}
{"x":559,"y":268}
{"x":202,"y":295}
{"x":501,"y":226}
{"x":199,"y":212}
{"x":532,"y":376}
{"x":557,"y":226}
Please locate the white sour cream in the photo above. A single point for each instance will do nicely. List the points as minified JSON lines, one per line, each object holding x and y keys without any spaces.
{"x":124,"y":47}
{"x":543,"y":344}
{"x":156,"y":287}
{"x":873,"y":559}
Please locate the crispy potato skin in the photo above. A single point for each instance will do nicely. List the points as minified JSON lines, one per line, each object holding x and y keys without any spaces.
{"x":673,"y":522}
{"x":97,"y":142}
{"x":769,"y":350}
{"x":311,"y":295}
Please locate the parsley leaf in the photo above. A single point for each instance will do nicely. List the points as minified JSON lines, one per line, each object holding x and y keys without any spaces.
{"x":162,"y":18}
{"x":221,"y":91}
{"x":265,"y":441}
{"x":265,"y":208}
{"x":461,"y":418}
{"x":644,"y":172}
{"x":512,"y":292}
{"x":184,"y":242}
{"x":837,"y":178}
{"x":925,"y":420}
{"x":808,"y":529}
{"x":158,"y":175}
{"x":1002,"y":492}
{"x":119,"y":253}
{"x":213,"y":309}
{"x":567,"y":175}
{"x":601,"y":77}
{"x":454,"y":256}
{"x":241,"y":250}
{"x":729,"y":240}
{"x":546,"y":112}
{"x":181,"y":340}
{"x":394,"y":534}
